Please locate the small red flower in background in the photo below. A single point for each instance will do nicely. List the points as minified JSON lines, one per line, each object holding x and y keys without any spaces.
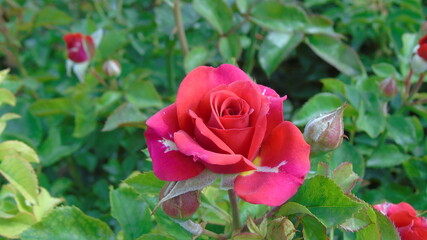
{"x":81,"y":48}
{"x":404,"y":217}
{"x":419,"y":57}
{"x":422,"y":50}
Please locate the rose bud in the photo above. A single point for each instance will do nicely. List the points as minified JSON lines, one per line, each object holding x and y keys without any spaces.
{"x":405,"y":219}
{"x":281,"y":229}
{"x":419,"y":58}
{"x":81,"y":48}
{"x":325,"y":132}
{"x":112,"y":68}
{"x":389,"y":87}
{"x":182,"y":206}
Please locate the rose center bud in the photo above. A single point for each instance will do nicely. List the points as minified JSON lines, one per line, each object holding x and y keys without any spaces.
{"x":229,"y":111}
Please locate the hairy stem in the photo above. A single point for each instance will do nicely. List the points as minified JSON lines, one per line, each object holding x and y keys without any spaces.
{"x":408,"y":83}
{"x":234,"y":210}
{"x":180,"y":27}
{"x":417,"y":86}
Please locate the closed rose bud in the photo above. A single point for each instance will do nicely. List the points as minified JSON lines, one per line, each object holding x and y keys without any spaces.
{"x":81,"y":48}
{"x":325,"y":132}
{"x":182,"y":206}
{"x":112,"y":68}
{"x":389,"y":87}
{"x":419,"y":58}
{"x":281,"y":229}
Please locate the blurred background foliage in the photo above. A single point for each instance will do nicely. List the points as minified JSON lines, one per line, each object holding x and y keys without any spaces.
{"x":320,"y":53}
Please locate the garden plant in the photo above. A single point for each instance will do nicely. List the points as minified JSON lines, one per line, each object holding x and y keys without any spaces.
{"x":213,"y":119}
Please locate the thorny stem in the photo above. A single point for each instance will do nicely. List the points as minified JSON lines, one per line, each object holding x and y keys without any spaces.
{"x":213,"y":235}
{"x":417,"y":86}
{"x":408,"y":83}
{"x":180,"y":27}
{"x":234,"y":210}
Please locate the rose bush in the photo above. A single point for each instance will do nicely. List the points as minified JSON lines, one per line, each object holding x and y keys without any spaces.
{"x":224,"y":122}
{"x":404,"y":217}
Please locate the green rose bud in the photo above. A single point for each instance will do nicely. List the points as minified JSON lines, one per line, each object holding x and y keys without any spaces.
{"x":325,"y":132}
{"x":281,"y":229}
{"x":182,"y":206}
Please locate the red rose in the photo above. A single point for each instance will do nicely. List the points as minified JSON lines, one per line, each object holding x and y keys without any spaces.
{"x":80,"y":47}
{"x":404,"y":217}
{"x":419,"y":58}
{"x":224,"y":122}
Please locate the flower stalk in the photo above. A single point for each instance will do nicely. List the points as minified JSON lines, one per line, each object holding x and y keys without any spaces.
{"x":234,"y":210}
{"x":180,"y":27}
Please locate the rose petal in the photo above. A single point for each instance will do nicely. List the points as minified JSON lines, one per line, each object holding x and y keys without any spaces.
{"x":206,"y":138}
{"x":199,"y":82}
{"x":224,"y":163}
{"x":238,"y":140}
{"x":401,"y":214}
{"x":75,"y":48}
{"x":168,"y":163}
{"x":275,"y":113}
{"x":272,"y":189}
{"x":422,"y":51}
{"x":286,"y":143}
{"x":284,"y":162}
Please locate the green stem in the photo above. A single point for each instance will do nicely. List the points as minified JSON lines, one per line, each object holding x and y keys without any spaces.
{"x":170,"y":70}
{"x":213,"y":235}
{"x":234,"y":210}
{"x":331,"y":233}
{"x":180,"y":27}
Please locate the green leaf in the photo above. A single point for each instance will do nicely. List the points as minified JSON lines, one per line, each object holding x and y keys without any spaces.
{"x":344,"y":176}
{"x":320,"y":24}
{"x":336,"y":53}
{"x":125,"y":115}
{"x":52,"y":150}
{"x":131,"y":212}
{"x":3,"y":74}
{"x":313,"y":229}
{"x":143,"y":94}
{"x":68,"y":223}
{"x":358,"y":221}
{"x":146,"y":183}
{"x":318,"y":104}
{"x":325,"y":199}
{"x":416,"y":170}
{"x":45,"y":204}
{"x":348,"y":153}
{"x":278,"y":17}
{"x":196,"y":57}
{"x":45,"y":107}
{"x":154,"y":236}
{"x":333,"y":85}
{"x":13,"y":227}
{"x":21,"y":175}
{"x":6,"y":117}
{"x":276,"y":47}
{"x":381,"y":228}
{"x":84,"y":114}
{"x":7,"y":97}
{"x":50,"y":15}
{"x":112,"y":41}
{"x":229,"y":47}
{"x":384,"y":70}
{"x":403,"y":131}
{"x":107,"y":101}
{"x":12,"y":148}
{"x":217,"y":13}
{"x":387,"y":155}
